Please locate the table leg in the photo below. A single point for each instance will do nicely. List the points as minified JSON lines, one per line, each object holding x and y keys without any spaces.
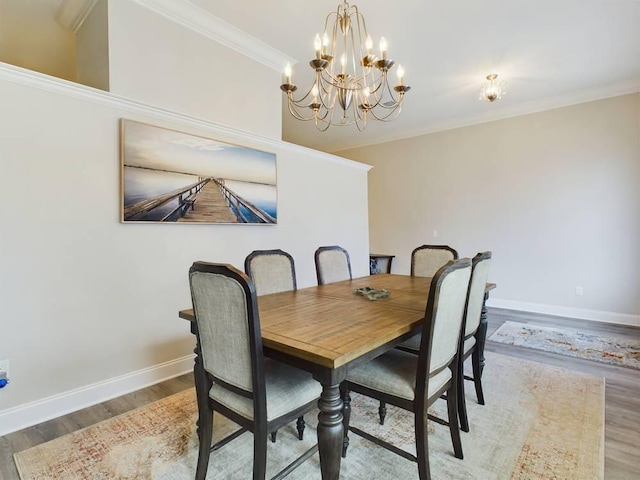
{"x":482,"y":331}
{"x":346,"y":416}
{"x":330,"y":431}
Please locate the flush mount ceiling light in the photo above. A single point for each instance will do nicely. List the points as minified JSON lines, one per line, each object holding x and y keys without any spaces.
{"x":352,"y":88}
{"x":492,"y":89}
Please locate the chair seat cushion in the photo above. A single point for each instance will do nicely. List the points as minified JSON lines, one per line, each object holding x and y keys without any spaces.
{"x":287,"y":388}
{"x":394,"y":373}
{"x":469,"y":343}
{"x":413,"y":343}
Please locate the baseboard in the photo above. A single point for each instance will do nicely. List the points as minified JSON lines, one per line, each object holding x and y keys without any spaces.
{"x":558,"y":311}
{"x":32,"y":413}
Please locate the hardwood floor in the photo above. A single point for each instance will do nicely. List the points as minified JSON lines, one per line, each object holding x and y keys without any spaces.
{"x":622,"y":391}
{"x":622,"y":398}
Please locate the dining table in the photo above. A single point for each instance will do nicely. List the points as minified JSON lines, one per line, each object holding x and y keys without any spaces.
{"x":330,"y":329}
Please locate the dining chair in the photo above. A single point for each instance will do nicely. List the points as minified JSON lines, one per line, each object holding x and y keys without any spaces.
{"x":425,"y":262}
{"x":273,"y":271}
{"x":258,"y":393}
{"x":332,"y":264}
{"x":414,"y":382}
{"x":427,"y":259}
{"x":470,"y":341}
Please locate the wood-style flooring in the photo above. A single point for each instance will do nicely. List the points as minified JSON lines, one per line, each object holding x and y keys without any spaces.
{"x":622,"y":398}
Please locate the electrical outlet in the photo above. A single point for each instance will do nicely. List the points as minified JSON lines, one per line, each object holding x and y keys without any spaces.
{"x":579,"y":291}
{"x":4,"y":367}
{"x":435,"y":233}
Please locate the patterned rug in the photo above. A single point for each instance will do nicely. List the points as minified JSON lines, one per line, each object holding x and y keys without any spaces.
{"x":573,"y":343}
{"x":540,"y":422}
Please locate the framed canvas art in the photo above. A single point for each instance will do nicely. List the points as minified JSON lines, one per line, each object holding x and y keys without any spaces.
{"x":169,"y":176}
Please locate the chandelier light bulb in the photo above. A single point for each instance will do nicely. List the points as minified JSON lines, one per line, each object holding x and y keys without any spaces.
{"x":369,"y":44}
{"x":314,"y":92}
{"x":317,"y":44}
{"x":383,"y":48}
{"x":287,"y":73}
{"x":400,"y":75}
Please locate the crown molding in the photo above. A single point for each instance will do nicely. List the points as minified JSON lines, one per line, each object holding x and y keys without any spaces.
{"x":536,"y":106}
{"x":41,"y":81}
{"x":71,"y":14}
{"x":201,"y":21}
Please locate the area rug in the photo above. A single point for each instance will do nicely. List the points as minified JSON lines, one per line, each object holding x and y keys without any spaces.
{"x":540,"y":422}
{"x":570,"y":342}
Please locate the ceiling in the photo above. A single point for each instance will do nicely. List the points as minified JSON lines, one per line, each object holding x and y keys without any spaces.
{"x":551,"y":53}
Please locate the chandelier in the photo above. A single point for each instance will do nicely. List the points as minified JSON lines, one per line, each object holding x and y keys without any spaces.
{"x":350,"y":83}
{"x":492,"y":89}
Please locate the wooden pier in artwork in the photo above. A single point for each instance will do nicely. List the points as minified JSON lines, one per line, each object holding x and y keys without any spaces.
{"x":206,"y":201}
{"x":209,"y":205}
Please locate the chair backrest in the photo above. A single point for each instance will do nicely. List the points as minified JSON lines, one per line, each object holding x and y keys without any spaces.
{"x":443,"y":318}
{"x":272,"y":271}
{"x":426,"y":260}
{"x":226,"y":311}
{"x":475,"y":298}
{"x":332,"y":264}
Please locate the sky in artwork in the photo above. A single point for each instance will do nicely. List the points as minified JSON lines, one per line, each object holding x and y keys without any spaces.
{"x":157,"y":148}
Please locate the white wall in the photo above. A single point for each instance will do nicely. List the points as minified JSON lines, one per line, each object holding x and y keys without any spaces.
{"x":555,"y":195}
{"x":160,"y":62}
{"x":89,"y":305}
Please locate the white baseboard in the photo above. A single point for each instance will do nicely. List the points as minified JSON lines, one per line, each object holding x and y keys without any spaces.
{"x":581,"y":313}
{"x":32,"y":413}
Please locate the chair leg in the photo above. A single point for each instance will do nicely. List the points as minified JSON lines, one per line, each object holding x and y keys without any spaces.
{"x":382,"y":411}
{"x":452,"y":409}
{"x":273,"y":436}
{"x":422,"y":445}
{"x":260,"y":453}
{"x":300,"y":427}
{"x":205,"y":434}
{"x":477,"y":375}
{"x":462,"y":404}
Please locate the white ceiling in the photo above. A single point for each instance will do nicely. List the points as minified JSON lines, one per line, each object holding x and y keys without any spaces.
{"x":551,"y":53}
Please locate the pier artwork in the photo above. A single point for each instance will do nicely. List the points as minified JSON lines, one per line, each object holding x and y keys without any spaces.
{"x":169,"y":176}
{"x":206,"y":201}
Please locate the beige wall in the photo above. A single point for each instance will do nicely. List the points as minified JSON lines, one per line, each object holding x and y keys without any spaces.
{"x":89,"y":305}
{"x":31,"y":38}
{"x":160,"y":62}
{"x":555,"y":195}
{"x":92,"y":46}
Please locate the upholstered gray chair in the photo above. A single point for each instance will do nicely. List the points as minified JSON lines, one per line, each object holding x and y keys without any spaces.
{"x":258,"y":393}
{"x":414,"y":382}
{"x":475,"y":299}
{"x":273,"y":271}
{"x":332,"y":264}
{"x":426,"y":260}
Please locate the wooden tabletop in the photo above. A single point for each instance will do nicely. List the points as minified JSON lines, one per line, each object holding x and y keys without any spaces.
{"x":331,"y":326}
